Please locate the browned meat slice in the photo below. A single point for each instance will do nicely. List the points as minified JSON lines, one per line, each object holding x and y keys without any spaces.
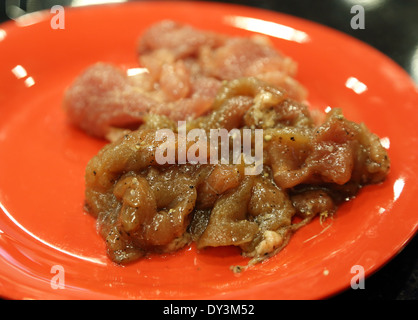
{"x":143,"y":206}
{"x":228,"y":223}
{"x":338,"y":151}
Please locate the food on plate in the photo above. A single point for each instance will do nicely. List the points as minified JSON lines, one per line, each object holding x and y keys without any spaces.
{"x":144,"y":206}
{"x":182,"y":69}
{"x":212,"y":142}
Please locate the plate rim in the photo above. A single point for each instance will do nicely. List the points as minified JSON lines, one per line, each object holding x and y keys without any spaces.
{"x":10,"y":25}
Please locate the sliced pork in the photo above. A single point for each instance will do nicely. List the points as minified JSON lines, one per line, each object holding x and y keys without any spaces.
{"x":180,"y":72}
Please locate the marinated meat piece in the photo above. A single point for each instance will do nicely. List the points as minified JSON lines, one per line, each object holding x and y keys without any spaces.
{"x":310,"y":203}
{"x":221,"y":179}
{"x":182,"y":71}
{"x":143,"y":206}
{"x":335,"y":152}
{"x":228,"y":222}
{"x":137,"y":210}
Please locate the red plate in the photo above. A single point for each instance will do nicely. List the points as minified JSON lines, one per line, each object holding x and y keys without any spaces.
{"x":42,"y":160}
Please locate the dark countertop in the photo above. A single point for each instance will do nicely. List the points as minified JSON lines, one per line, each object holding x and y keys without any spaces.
{"x":392,"y":28}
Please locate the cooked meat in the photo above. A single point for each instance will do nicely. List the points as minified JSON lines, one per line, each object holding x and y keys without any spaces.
{"x":144,"y":206}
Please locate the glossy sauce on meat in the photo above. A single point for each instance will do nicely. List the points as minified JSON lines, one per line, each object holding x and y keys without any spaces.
{"x":143,"y":207}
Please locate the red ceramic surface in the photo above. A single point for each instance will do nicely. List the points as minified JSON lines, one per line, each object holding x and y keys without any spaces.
{"x":42,"y":161}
